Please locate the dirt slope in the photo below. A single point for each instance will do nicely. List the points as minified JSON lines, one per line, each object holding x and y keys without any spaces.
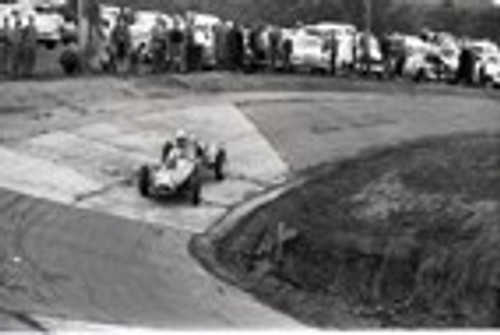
{"x":401,"y":237}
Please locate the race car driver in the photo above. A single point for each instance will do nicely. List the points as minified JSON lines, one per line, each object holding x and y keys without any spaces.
{"x":183,"y":147}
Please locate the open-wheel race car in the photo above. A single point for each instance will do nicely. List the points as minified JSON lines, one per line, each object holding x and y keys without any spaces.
{"x":183,"y":167}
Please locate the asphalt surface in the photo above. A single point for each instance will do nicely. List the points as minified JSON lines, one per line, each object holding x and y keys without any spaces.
{"x":80,"y":245}
{"x":83,"y":266}
{"x":314,"y":129}
{"x":118,"y":259}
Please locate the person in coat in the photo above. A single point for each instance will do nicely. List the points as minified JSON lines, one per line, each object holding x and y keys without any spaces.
{"x":5,"y":47}
{"x":16,"y":47}
{"x":29,"y":46}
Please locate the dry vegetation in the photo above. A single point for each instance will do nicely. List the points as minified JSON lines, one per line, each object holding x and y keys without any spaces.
{"x":405,"y":237}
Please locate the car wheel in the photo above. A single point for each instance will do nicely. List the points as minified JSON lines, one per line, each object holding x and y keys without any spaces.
{"x":195,"y":188}
{"x":144,"y":181}
{"x":220,"y":162}
{"x":51,"y":45}
{"x":485,"y":80}
{"x":167,"y":148}
{"x":420,"y":76}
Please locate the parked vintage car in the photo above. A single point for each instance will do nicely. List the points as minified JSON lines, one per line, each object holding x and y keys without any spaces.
{"x":370,"y":61}
{"x":487,"y":69}
{"x":309,"y":51}
{"x":425,"y":61}
{"x":49,"y":23}
{"x":345,"y":35}
{"x":204,"y":36}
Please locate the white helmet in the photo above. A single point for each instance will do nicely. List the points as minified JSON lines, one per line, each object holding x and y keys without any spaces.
{"x":181,"y":135}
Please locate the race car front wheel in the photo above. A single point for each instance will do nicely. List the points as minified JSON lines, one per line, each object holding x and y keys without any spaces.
{"x":195,"y":189}
{"x":220,"y":162}
{"x":167,"y":148}
{"x":144,"y":181}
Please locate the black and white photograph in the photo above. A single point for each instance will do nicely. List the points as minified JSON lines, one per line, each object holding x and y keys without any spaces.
{"x":249,"y":165}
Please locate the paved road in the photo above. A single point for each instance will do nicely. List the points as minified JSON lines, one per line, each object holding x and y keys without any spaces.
{"x":78,"y":265}
{"x":318,"y":128}
{"x":120,"y":259}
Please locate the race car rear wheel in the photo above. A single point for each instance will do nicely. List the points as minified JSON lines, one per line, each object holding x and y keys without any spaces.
{"x":220,"y":162}
{"x":144,"y":181}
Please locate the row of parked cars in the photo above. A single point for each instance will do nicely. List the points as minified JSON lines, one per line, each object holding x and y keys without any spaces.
{"x":432,"y":56}
{"x":438,"y":57}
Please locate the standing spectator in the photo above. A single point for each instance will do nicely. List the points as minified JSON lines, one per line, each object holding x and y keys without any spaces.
{"x":385,"y":50}
{"x":159,"y":45}
{"x":274,"y":43}
{"x":236,"y":47}
{"x":287,"y":54}
{"x":466,"y":66}
{"x":70,"y":59}
{"x":121,"y":42}
{"x":221,"y":46}
{"x":177,"y":47}
{"x":29,"y":46}
{"x":102,"y":57}
{"x":239,"y":48}
{"x":253,"y":46}
{"x":17,"y":52}
{"x":365,"y":53}
{"x":136,"y":57}
{"x":334,"y":51}
{"x":351,"y":66}
{"x":230,"y":45}
{"x":5,"y":33}
{"x":190,"y":48}
{"x":400,"y":55}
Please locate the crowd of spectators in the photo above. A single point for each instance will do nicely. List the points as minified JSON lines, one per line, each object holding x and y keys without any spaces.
{"x":18,"y":47}
{"x":173,"y":47}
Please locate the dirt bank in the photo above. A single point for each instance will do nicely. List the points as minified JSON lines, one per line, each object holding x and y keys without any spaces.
{"x":403,"y":237}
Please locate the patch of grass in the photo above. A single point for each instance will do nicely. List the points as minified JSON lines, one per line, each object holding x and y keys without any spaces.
{"x":219,"y":82}
{"x":404,"y":237}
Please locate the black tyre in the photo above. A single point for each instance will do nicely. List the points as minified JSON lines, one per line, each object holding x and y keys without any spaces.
{"x":484,"y":79}
{"x":50,"y":45}
{"x":219,"y":166}
{"x":195,"y":189}
{"x":167,"y":148}
{"x":420,"y":76}
{"x":144,"y":181}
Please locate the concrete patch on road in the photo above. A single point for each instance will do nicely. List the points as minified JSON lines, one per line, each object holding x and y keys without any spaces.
{"x":177,"y":213}
{"x":99,"y":161}
{"x":41,"y":178}
{"x":319,"y":129}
